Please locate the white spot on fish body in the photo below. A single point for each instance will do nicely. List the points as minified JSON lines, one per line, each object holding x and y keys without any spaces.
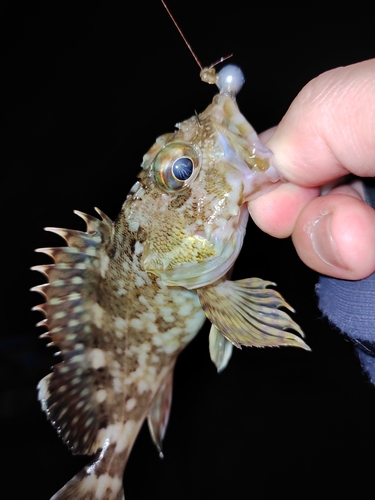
{"x":97,"y":315}
{"x":133,"y":226}
{"x":139,"y":281}
{"x":143,"y":300}
{"x":58,"y":283}
{"x":104,"y":263}
{"x":79,"y":358}
{"x":157,"y":340}
{"x":185,"y":309}
{"x":130,"y":404}
{"x":159,"y":299}
{"x":167,"y":314}
{"x":117,"y":386}
{"x":101,"y":395}
{"x":152,"y":328}
{"x":91,"y":251}
{"x":55,"y":301}
{"x":149,"y":315}
{"x":89,"y":421}
{"x":179,"y":297}
{"x":173,"y":332}
{"x":98,"y":485}
{"x":77,"y":280}
{"x":119,"y":334}
{"x":79,"y":404}
{"x":97,"y":358}
{"x":136,"y":323}
{"x":58,"y":329}
{"x":121,"y":323}
{"x":142,"y":387}
{"x":125,"y":266}
{"x":84,"y":393}
{"x":138,"y":248}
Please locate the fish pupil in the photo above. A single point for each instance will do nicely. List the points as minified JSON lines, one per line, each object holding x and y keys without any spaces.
{"x":182,"y":168}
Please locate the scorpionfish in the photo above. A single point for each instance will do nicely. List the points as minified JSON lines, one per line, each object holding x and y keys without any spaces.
{"x":125,"y":297}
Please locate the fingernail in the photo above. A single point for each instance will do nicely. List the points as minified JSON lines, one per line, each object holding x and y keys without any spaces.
{"x":323,"y":242}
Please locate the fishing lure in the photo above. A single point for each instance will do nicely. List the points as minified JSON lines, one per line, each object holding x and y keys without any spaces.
{"x":125,"y":297}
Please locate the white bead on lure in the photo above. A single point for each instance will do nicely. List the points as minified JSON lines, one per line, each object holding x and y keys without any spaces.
{"x":125,"y":297}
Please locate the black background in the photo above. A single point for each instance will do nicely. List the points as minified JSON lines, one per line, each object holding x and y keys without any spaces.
{"x":87,"y":87}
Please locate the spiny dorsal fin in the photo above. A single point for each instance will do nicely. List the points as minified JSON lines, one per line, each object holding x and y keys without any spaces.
{"x":69,"y":394}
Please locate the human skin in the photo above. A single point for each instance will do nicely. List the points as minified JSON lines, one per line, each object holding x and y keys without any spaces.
{"x":327,"y":133}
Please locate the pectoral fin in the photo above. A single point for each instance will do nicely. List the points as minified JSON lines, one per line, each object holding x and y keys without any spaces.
{"x":159,"y":414}
{"x":247,"y":313}
{"x":220,"y":349}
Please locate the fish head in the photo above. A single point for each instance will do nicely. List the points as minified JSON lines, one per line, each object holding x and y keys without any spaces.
{"x":190,"y":201}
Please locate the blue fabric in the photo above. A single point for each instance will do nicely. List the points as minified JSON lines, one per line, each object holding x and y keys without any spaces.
{"x":350,"y":305}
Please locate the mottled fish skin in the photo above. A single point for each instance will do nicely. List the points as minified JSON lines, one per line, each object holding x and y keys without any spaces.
{"x":125,"y":297}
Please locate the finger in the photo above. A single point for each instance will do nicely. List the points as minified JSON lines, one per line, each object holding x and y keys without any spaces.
{"x":335,"y":235}
{"x":328,"y":130}
{"x":267,"y":134}
{"x":276,"y":212}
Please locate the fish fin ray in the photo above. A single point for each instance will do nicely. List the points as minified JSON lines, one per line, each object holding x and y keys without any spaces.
{"x":86,"y":486}
{"x":247,"y":313}
{"x":158,"y":416}
{"x":68,"y":395}
{"x":220,"y":349}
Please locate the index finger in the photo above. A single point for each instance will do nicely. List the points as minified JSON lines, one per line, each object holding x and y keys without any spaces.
{"x":329,"y":129}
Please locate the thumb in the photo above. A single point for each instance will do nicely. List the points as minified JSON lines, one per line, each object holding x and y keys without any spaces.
{"x":335,"y":235}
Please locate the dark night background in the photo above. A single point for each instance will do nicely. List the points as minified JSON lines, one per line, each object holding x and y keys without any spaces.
{"x":87,"y":87}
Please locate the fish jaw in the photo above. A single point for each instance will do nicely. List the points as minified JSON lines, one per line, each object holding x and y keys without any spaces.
{"x":243,"y":148}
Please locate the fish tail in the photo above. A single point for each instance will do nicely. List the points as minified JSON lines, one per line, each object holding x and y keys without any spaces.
{"x":102,"y":479}
{"x":88,"y":484}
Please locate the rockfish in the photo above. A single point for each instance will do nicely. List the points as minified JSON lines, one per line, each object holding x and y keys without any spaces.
{"x":125,"y":297}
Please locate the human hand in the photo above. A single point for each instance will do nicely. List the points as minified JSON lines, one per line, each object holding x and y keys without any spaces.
{"x":327,"y":133}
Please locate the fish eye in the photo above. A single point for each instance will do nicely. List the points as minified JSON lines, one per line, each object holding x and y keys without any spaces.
{"x":175,"y":166}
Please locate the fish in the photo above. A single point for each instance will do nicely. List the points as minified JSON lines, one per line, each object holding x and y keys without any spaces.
{"x":124,"y":297}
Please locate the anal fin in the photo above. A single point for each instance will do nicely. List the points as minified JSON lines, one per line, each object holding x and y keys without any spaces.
{"x":159,"y":414}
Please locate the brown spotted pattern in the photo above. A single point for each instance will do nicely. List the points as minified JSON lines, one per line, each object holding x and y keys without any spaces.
{"x":110,"y":306}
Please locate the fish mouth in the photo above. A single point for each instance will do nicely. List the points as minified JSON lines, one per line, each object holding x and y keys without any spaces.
{"x":192,"y":275}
